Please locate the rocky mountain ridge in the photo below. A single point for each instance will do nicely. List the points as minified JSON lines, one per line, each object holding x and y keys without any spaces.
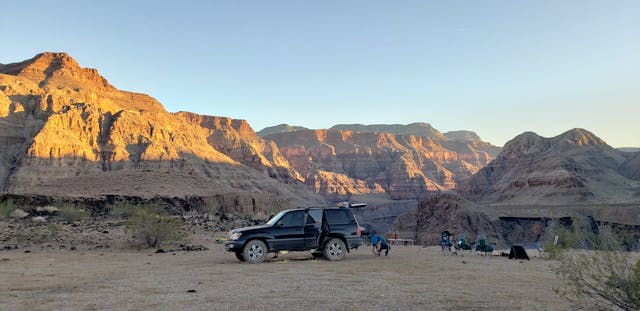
{"x":416,"y":129}
{"x":575,"y":166}
{"x":342,"y":163}
{"x":67,"y":131}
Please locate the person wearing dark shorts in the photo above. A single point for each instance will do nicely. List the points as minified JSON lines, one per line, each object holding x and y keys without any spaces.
{"x":378,"y":244}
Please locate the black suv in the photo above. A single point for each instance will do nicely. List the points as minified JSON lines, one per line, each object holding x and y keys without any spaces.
{"x":326,"y":231}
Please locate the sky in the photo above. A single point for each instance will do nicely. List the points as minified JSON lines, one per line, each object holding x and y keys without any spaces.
{"x":498,"y":68}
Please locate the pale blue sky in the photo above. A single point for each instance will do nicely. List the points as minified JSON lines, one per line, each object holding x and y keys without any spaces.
{"x":498,"y":68}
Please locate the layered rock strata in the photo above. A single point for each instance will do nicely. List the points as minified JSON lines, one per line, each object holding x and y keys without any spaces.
{"x":67,"y":131}
{"x":575,"y":166}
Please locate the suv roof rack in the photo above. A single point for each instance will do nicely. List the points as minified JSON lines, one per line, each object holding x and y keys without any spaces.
{"x":347,"y":204}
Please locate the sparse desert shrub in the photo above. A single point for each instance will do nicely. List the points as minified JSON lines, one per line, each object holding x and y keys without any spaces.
{"x":38,"y":234}
{"x":601,"y":274}
{"x":580,"y":235}
{"x":71,"y":213}
{"x":151,"y":226}
{"x":123,"y":210}
{"x":6,"y":208}
{"x":127,"y":210}
{"x":552,"y":252}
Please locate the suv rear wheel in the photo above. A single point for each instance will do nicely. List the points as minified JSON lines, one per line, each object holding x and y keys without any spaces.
{"x":255,"y":251}
{"x":334,"y":249}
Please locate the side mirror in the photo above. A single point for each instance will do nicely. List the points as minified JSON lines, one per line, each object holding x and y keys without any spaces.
{"x":279,"y":224}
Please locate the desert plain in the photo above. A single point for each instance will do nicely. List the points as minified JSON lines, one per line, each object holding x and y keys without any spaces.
{"x":410,"y":278}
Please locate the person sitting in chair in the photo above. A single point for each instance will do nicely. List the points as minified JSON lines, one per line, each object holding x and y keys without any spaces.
{"x":379,"y":243}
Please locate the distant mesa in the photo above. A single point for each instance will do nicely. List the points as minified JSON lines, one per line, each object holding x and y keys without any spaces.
{"x":629,"y":149}
{"x":462,"y":135}
{"x":348,"y":160}
{"x":281,"y":128}
{"x":416,"y":129}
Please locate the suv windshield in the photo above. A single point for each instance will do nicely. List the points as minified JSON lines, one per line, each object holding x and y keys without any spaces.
{"x":275,"y":218}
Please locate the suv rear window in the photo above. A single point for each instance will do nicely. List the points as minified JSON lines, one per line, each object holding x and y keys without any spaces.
{"x":338,"y":216}
{"x":314,"y":216}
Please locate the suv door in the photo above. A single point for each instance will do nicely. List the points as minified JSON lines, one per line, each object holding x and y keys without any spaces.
{"x":340,"y":221}
{"x":313,"y":223}
{"x":288,"y":232}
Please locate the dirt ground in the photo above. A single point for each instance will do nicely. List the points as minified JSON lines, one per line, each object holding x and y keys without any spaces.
{"x":411,"y":278}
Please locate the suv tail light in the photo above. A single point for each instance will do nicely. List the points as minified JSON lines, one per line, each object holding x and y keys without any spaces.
{"x":358,"y":230}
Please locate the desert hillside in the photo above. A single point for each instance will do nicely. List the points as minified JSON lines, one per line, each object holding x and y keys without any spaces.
{"x":573,"y":167}
{"x":438,"y":213}
{"x":67,"y":132}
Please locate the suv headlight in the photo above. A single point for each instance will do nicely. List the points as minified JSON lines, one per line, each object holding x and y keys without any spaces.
{"x":234,"y":236}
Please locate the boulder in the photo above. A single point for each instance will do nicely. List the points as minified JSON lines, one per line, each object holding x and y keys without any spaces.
{"x":18,"y":213}
{"x":39,"y":219}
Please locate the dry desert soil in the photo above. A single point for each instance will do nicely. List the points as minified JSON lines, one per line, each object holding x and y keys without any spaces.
{"x":411,"y":278}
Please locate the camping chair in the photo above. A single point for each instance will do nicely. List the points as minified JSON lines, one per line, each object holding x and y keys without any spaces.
{"x":483,"y":246}
{"x":445,"y":242}
{"x":462,"y":244}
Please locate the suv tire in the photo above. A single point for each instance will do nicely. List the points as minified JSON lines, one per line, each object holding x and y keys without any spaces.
{"x":240,"y":256}
{"x":334,"y":249}
{"x":255,"y":251}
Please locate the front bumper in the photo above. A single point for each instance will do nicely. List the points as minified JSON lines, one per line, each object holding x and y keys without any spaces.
{"x":233,"y":246}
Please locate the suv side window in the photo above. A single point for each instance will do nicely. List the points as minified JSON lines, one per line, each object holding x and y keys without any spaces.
{"x":314,"y":216}
{"x":338,"y":217}
{"x":292,"y":219}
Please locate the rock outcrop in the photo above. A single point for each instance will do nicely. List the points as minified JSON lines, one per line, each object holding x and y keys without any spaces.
{"x":442,"y":212}
{"x":237,"y":139}
{"x":341,"y":163}
{"x":66,"y":131}
{"x":575,"y":166}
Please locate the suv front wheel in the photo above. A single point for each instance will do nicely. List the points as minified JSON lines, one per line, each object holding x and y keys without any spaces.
{"x":334,"y":249}
{"x":240,"y":256}
{"x":255,"y":251}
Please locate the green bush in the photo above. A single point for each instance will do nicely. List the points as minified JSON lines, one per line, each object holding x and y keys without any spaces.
{"x":601,"y":274}
{"x":552,"y":252}
{"x":124,"y":210}
{"x":128,"y":210}
{"x":6,"y":208}
{"x":151,"y":226}
{"x":70,"y":213}
{"x":580,"y":235}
